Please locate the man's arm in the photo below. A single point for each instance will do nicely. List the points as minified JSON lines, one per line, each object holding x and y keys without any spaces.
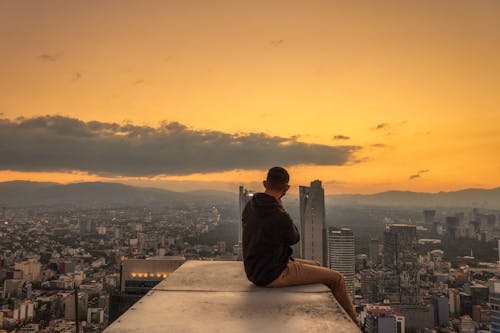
{"x":287,"y":229}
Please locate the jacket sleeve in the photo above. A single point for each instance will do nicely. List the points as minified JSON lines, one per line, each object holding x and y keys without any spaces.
{"x":287,"y":229}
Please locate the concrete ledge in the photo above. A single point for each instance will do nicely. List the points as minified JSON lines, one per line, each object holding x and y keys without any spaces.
{"x":216,"y":297}
{"x":219,"y":276}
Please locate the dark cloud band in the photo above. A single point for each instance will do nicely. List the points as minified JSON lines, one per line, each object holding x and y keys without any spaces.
{"x":57,"y":143}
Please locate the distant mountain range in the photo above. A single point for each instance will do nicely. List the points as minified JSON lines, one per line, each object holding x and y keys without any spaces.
{"x":480,"y":198}
{"x":101,"y":194}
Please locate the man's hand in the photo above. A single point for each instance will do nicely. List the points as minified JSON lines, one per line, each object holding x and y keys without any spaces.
{"x":281,"y":205}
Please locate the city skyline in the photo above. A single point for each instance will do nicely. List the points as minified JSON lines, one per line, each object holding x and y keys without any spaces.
{"x":116,"y":253}
{"x":368,"y":98}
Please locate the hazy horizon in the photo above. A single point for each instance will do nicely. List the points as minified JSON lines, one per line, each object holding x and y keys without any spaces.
{"x":184,"y":186}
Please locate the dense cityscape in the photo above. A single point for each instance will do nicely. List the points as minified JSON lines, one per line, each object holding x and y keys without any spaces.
{"x":46,"y":255}
{"x":93,"y":264}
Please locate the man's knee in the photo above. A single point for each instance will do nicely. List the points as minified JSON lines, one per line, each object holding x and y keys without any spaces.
{"x":337,"y":277}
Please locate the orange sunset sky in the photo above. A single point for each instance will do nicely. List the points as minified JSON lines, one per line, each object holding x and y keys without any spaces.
{"x":367,"y":96}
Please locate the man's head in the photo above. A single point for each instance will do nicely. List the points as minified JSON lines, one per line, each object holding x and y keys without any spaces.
{"x":277,"y":181}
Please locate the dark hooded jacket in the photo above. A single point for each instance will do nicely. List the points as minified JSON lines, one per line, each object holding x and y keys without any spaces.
{"x":268,"y":233}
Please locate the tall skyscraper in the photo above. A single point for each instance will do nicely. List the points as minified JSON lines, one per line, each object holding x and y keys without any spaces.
{"x":430,"y":220}
{"x":494,"y":286}
{"x":452,"y":226}
{"x":399,"y":245}
{"x":374,"y":251}
{"x":340,"y":254}
{"x":244,"y":197}
{"x":400,"y":257}
{"x":312,"y":222}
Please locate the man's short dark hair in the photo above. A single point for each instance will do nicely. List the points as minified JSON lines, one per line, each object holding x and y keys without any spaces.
{"x":277,"y":178}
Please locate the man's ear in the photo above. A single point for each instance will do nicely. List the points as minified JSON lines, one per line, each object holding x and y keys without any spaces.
{"x":283,"y":192}
{"x":264,"y":182}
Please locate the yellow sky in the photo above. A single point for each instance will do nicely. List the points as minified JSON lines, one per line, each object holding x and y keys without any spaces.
{"x":315,"y":69}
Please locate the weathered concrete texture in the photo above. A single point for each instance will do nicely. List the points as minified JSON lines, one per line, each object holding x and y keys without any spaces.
{"x":215,"y":297}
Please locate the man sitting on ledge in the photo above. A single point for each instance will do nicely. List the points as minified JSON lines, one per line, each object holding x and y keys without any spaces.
{"x":268,"y":233}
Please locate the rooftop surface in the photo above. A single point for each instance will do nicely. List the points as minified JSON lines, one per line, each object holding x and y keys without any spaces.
{"x":216,"y":297}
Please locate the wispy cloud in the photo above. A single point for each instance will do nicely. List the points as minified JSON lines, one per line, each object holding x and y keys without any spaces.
{"x":341,"y":137}
{"x":385,"y":126}
{"x":382,"y":126}
{"x":418,"y":174}
{"x":379,"y":145}
{"x":49,"y":57}
{"x":277,"y":42}
{"x":77,"y":76}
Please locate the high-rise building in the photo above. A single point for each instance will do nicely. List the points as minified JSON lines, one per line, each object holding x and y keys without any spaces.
{"x":244,"y":197}
{"x":31,"y":269}
{"x":400,"y":257}
{"x":384,"y":319}
{"x":481,"y":313}
{"x":361,"y":262}
{"x":429,"y":216}
{"x":24,"y":311}
{"x":104,"y":304}
{"x":400,"y":246}
{"x":441,"y":311}
{"x":368,"y":285}
{"x":465,"y":304}
{"x":498,"y":243}
{"x":479,"y":294}
{"x":379,"y":285}
{"x":374,"y":251}
{"x":430,"y":220}
{"x":452,"y":226}
{"x":467,"y":325}
{"x":457,"y":228}
{"x":69,"y":306}
{"x":312,"y":222}
{"x":494,"y":286}
{"x":340,"y":254}
{"x":454,"y":299}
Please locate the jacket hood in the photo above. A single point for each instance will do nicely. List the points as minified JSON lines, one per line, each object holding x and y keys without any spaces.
{"x":263,"y":200}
